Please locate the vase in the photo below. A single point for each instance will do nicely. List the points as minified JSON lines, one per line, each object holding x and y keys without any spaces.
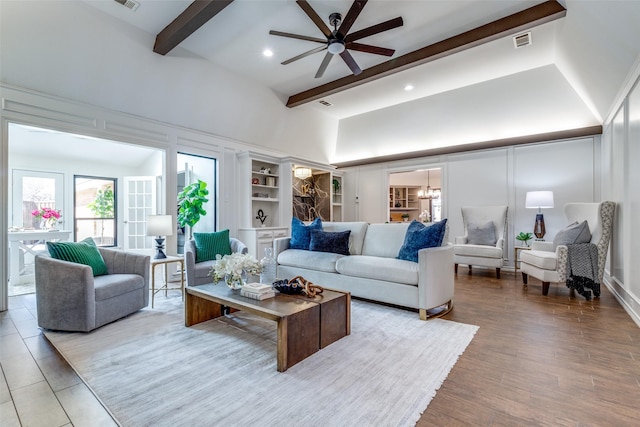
{"x":236,"y":282}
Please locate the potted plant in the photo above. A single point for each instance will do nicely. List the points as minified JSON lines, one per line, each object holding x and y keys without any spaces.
{"x":524,"y":238}
{"x":405,"y":216}
{"x":191,"y":202}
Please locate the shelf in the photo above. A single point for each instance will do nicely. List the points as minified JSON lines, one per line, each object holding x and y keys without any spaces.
{"x":264,"y":186}
{"x":264,"y":173}
{"x":264,"y":199}
{"x":404,"y":209}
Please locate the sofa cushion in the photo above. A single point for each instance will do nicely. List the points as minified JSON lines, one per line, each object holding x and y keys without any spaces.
{"x":384,"y":240}
{"x":419,"y":236}
{"x":321,"y":261}
{"x":481,"y":234}
{"x":356,"y":238}
{"x":85,"y":252}
{"x":542,"y":259}
{"x":301,"y":234}
{"x":336,"y":242}
{"x":113,"y":285}
{"x":573,"y":234}
{"x":379,"y":268}
{"x":477,"y":250}
{"x":208,"y":245}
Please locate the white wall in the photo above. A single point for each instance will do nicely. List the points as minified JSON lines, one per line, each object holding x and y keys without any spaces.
{"x":621,"y":178}
{"x":490,"y":177}
{"x":72,"y":50}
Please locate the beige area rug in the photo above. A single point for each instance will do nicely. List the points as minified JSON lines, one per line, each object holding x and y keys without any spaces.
{"x":150,"y":370}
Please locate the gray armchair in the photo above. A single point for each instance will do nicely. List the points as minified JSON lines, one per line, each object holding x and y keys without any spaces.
{"x":69,"y":298}
{"x":198,"y":272}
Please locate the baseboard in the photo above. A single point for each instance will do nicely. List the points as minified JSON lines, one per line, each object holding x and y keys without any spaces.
{"x":628,"y":301}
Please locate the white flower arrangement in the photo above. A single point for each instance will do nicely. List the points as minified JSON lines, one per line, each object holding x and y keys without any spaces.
{"x":425,"y":216}
{"x":231,"y":267}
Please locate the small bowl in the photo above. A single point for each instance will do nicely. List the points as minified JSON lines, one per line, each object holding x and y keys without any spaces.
{"x":283,"y":286}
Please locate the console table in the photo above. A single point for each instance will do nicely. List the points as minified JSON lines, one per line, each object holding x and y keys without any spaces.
{"x":28,"y":242}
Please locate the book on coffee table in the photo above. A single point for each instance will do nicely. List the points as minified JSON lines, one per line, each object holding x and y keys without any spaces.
{"x":258,"y":288}
{"x":257,"y":295}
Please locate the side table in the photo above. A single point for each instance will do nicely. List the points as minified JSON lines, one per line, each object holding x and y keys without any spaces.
{"x":165,"y":287}
{"x":516,"y":258}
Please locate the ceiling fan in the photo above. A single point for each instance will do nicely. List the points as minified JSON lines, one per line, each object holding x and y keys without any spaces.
{"x":339,"y":40}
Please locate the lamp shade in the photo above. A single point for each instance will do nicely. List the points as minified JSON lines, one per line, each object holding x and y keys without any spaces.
{"x":160,"y":225}
{"x":539,"y":199}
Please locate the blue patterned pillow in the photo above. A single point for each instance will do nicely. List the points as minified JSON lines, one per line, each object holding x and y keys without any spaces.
{"x":327,"y":241}
{"x":419,"y":236}
{"x":301,"y":234}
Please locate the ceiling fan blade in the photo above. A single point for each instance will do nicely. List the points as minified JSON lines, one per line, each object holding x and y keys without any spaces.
{"x":302,"y":55}
{"x":351,"y":17}
{"x":374,"y":29}
{"x":370,"y":49}
{"x":323,"y":66}
{"x":297,"y":36}
{"x":351,"y":63}
{"x":306,"y":7}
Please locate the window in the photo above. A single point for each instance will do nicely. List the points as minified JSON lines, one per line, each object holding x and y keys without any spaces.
{"x":95,"y":209}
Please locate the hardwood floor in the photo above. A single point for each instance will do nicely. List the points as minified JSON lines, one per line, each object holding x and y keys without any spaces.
{"x":555,"y":360}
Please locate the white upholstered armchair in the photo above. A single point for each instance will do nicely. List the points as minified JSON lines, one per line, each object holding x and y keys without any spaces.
{"x":549,"y":264}
{"x":483,"y":240}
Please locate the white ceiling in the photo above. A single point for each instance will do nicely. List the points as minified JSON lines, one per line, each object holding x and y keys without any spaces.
{"x":235,"y":38}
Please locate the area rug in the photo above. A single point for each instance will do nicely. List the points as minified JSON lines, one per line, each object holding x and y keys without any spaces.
{"x":150,"y":370}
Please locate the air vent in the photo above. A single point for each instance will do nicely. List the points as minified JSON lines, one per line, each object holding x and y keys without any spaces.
{"x":522,"y":40}
{"x":325,"y":103}
{"x":133,"y":5}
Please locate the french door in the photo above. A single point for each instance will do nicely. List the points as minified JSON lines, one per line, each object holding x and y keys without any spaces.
{"x":139,"y":202}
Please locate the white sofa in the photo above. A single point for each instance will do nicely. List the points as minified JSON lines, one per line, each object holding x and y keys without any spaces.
{"x":371,"y":270}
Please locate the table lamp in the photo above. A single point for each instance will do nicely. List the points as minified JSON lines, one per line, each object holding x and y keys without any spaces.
{"x":159,"y":225}
{"x":540,"y":200}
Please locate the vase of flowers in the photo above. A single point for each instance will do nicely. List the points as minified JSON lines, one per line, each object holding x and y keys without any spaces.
{"x":234,"y":269}
{"x":425,"y":216}
{"x":48,"y":217}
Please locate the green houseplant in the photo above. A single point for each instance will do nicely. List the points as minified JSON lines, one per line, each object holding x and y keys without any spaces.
{"x":191,"y":202}
{"x":524,"y":237}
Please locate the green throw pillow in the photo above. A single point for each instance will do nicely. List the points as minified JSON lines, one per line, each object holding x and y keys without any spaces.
{"x":208,"y":245}
{"x":85,"y":252}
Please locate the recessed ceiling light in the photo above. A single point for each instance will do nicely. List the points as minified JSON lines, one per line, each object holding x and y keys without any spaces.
{"x":408,"y":88}
{"x":267,"y":52}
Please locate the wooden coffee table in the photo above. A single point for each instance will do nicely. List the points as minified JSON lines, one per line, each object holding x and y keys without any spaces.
{"x":305,"y":325}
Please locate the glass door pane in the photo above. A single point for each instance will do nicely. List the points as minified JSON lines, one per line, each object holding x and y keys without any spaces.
{"x":139,"y":203}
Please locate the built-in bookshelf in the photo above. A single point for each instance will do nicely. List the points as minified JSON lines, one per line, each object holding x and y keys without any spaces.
{"x":403,"y":201}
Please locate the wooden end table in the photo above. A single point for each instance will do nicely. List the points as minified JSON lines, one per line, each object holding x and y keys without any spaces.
{"x":516,"y":258}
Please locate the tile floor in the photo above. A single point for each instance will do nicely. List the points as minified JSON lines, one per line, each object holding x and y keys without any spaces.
{"x":37,"y":387}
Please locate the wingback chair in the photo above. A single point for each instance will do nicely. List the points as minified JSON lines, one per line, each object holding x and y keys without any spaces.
{"x":198,"y":272}
{"x":550,"y":265}
{"x":70,"y":298}
{"x":483,"y":240}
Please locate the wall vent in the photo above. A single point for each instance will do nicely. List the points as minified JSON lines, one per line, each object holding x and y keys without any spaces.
{"x":325,"y":103}
{"x":522,"y":40}
{"x":131,"y":4}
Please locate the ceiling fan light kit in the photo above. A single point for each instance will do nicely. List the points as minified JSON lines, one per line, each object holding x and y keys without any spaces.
{"x":338,"y":41}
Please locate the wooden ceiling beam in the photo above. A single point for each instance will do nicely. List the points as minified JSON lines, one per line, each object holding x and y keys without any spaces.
{"x":193,"y":17}
{"x":512,"y":24}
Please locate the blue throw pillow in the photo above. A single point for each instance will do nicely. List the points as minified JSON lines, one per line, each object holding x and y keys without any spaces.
{"x":301,"y":234}
{"x":336,"y":242}
{"x":419,"y":236}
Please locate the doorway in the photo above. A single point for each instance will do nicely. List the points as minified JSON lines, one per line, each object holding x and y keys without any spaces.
{"x":415,"y":195}
{"x":42,"y":164}
{"x":191,"y":169}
